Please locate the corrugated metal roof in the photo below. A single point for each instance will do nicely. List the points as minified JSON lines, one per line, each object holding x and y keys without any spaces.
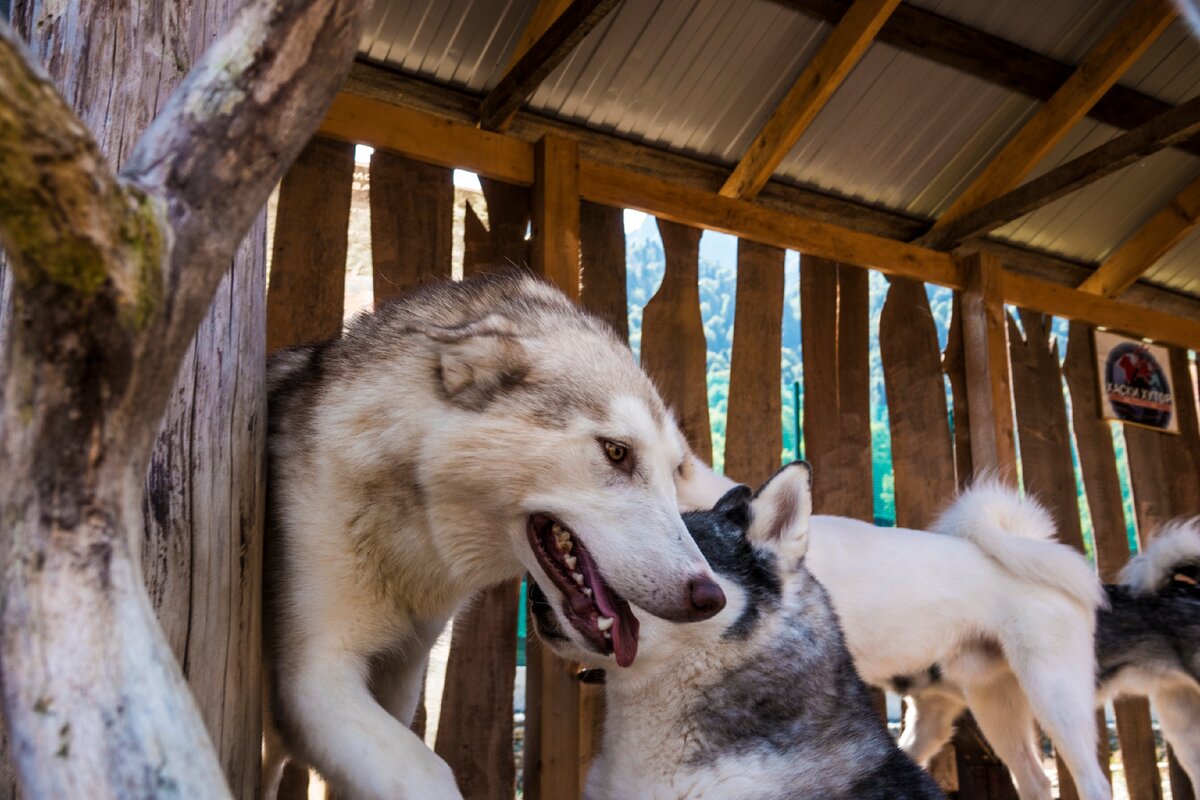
{"x":701,"y":76}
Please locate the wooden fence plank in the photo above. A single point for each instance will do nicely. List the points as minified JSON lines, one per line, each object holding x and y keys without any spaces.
{"x":306,"y":291}
{"x":412,"y":221}
{"x":476,"y":724}
{"x":1047,"y":466}
{"x":308,"y":261}
{"x":835,"y":338}
{"x":1165,"y":471}
{"x":754,"y":430}
{"x":602,"y":255}
{"x":955,"y":366}
{"x":674,"y":352}
{"x":479,"y":255}
{"x":1098,"y":464}
{"x":922,"y":445}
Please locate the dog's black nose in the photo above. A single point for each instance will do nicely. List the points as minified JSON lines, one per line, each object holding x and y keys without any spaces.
{"x":705,"y":599}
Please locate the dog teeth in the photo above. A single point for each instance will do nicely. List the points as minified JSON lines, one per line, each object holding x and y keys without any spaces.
{"x":587,"y":591}
{"x":578,"y":578}
{"x":562,"y":538}
{"x":607,"y":634}
{"x":604,"y":623}
{"x":571,"y":562}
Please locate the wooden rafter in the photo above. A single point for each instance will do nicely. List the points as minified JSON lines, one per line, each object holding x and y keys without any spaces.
{"x":1176,"y":125}
{"x":1125,"y":42}
{"x":456,"y":144}
{"x":994,"y":60}
{"x":543,"y":56}
{"x":838,"y":55}
{"x":546,"y":12}
{"x":1151,"y":242}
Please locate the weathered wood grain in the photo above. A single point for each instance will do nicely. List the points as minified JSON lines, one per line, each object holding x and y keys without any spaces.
{"x":305,"y":296}
{"x":674,"y":352}
{"x":754,"y":427}
{"x":554,"y":245}
{"x":602,"y":255}
{"x":1165,"y":471}
{"x":988,"y":380}
{"x":412,"y":220}
{"x":509,"y":216}
{"x":835,"y":336}
{"x":922,"y":445}
{"x":1098,"y":465}
{"x":479,"y":254}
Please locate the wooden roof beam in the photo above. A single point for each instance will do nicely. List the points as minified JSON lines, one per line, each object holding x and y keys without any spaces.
{"x":437,"y":140}
{"x":1173,"y":127}
{"x":997,"y":61}
{"x":545,"y":54}
{"x":1152,"y":241}
{"x":1124,"y":43}
{"x":840,"y":51}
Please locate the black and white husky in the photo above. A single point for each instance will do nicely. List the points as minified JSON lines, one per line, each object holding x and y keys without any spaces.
{"x":1147,"y":644}
{"x":446,"y":443}
{"x":760,"y":701}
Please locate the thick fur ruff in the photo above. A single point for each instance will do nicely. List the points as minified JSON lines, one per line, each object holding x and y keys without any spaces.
{"x":411,"y":462}
{"x":760,"y":701}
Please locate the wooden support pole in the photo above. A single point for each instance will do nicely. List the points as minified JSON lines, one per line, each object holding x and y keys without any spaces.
{"x":554,"y":743}
{"x":602,"y":257}
{"x":985,"y":353}
{"x":1125,"y":42}
{"x":838,"y":55}
{"x":1151,"y":242}
{"x":555,"y":238}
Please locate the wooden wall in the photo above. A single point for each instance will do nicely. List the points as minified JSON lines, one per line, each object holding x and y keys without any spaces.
{"x":932,"y":446}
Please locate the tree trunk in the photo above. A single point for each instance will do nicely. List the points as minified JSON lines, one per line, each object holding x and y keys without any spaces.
{"x":111,"y":276}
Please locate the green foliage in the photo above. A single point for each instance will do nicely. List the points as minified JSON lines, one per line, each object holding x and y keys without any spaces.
{"x":718,"y":285}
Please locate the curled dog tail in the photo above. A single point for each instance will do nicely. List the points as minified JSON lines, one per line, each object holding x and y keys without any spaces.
{"x":1019,"y":534}
{"x":1174,"y":550}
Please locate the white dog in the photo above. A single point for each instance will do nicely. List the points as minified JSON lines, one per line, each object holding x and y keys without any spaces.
{"x":455,"y":439}
{"x":989,"y":602}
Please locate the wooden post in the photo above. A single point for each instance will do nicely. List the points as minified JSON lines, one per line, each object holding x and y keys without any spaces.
{"x":1098,"y":463}
{"x":556,"y":212}
{"x":674,"y":352}
{"x":412,"y":221}
{"x":985,"y":355}
{"x":555,"y":722}
{"x":981,"y":775}
{"x":305,"y":296}
{"x":754,"y":431}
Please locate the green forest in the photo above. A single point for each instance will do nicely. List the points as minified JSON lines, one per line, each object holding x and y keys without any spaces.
{"x":718,"y":281}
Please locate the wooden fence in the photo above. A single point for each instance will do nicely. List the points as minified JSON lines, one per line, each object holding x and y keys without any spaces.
{"x":995,"y":410}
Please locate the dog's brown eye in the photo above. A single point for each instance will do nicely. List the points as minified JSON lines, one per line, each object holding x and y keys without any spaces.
{"x":616,"y":452}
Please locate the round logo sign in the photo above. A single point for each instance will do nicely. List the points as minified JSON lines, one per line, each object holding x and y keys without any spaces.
{"x":1137,"y":386}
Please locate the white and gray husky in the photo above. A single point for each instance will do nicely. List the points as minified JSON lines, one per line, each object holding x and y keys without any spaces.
{"x":1004,"y":611}
{"x":760,"y":701}
{"x":1147,"y":644}
{"x":445,"y":444}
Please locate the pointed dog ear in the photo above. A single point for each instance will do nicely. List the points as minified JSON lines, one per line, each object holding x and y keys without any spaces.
{"x":478,"y":360}
{"x":781,"y":510}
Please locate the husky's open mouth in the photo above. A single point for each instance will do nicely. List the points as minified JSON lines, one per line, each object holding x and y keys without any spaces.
{"x":600,"y":615}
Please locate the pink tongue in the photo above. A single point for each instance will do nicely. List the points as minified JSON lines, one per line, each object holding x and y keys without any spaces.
{"x":625,"y":625}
